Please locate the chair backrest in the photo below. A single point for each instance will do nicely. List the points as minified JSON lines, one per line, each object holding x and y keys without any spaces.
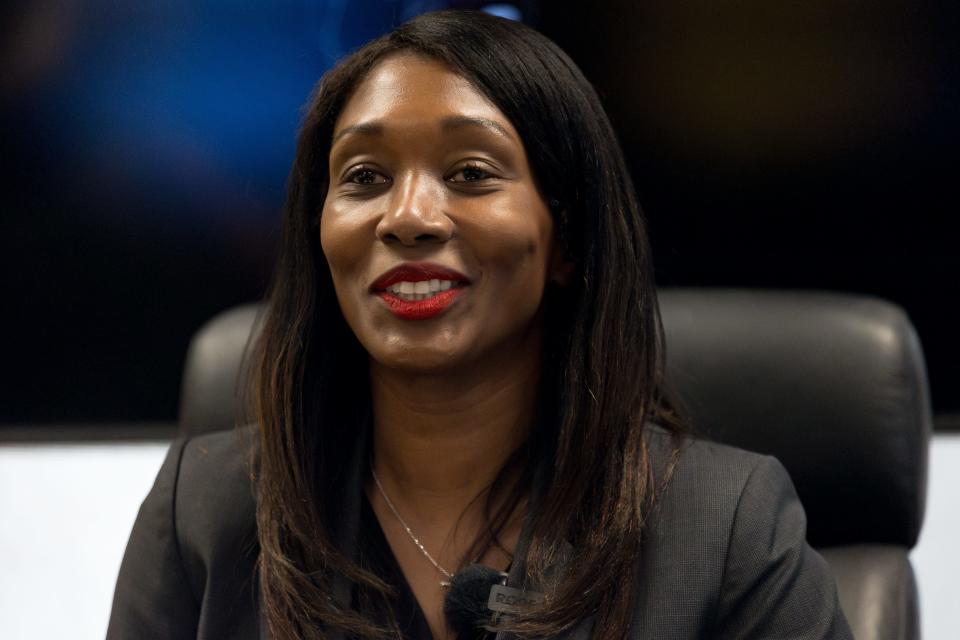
{"x":834,"y":385}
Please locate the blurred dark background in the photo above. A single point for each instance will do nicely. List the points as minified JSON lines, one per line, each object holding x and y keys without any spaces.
{"x":786,"y":145}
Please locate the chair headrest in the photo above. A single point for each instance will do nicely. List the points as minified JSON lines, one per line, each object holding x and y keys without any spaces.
{"x":208,"y":393}
{"x":834,"y":385}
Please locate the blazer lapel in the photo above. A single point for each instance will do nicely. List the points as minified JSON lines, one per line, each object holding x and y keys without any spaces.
{"x":347,"y":525}
{"x":518,"y":569}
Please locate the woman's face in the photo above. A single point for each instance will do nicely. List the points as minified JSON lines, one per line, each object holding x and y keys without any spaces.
{"x":438,"y":240}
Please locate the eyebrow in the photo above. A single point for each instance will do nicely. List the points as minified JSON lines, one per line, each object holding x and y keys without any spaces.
{"x":375,"y":127}
{"x":457,"y":122}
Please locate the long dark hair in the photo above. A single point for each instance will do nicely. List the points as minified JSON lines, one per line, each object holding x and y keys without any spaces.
{"x":602,"y":368}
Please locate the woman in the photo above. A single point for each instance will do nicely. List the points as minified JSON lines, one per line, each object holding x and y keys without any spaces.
{"x":460,"y":363}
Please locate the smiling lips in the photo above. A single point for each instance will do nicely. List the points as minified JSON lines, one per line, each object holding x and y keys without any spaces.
{"x":419,"y":290}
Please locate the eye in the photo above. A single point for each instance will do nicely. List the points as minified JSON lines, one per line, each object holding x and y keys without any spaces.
{"x":365,"y":176}
{"x":471,"y":173}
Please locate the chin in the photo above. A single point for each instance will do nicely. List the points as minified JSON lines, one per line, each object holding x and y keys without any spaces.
{"x":418,"y":360}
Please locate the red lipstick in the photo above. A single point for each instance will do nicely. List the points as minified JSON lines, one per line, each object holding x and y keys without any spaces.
{"x":420,"y":309}
{"x":419,"y":272}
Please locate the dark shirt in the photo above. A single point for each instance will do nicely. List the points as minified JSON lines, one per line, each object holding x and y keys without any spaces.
{"x":377,"y":557}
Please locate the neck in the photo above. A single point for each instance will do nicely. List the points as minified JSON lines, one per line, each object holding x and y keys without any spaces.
{"x":440,"y":441}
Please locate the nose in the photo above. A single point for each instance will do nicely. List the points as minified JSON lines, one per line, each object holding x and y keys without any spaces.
{"x":415,"y":213}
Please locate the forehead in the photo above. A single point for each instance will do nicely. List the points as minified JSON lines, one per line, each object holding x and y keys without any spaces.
{"x":407,"y":88}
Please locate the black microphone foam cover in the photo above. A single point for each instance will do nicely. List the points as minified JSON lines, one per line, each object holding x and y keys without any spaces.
{"x":465,"y":604}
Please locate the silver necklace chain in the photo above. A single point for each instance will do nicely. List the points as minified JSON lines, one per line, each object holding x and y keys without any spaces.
{"x":410,"y":533}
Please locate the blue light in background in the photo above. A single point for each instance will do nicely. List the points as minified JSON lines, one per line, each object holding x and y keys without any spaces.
{"x":508,"y":11}
{"x":190,"y":110}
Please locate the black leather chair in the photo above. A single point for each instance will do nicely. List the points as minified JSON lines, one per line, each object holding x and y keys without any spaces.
{"x":833,"y":385}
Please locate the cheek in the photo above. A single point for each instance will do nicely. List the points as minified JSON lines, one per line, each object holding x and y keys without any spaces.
{"x":518,"y":257}
{"x":341,"y":243}
{"x":345,"y":253}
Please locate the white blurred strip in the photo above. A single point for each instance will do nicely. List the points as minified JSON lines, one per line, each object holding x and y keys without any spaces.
{"x":936,"y":558}
{"x":65,"y":515}
{"x":66,"y":512}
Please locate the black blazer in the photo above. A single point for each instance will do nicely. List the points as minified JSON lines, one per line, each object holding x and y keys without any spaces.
{"x":724,"y":554}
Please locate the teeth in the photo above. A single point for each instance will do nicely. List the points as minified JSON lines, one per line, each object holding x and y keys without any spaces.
{"x":419,"y":290}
